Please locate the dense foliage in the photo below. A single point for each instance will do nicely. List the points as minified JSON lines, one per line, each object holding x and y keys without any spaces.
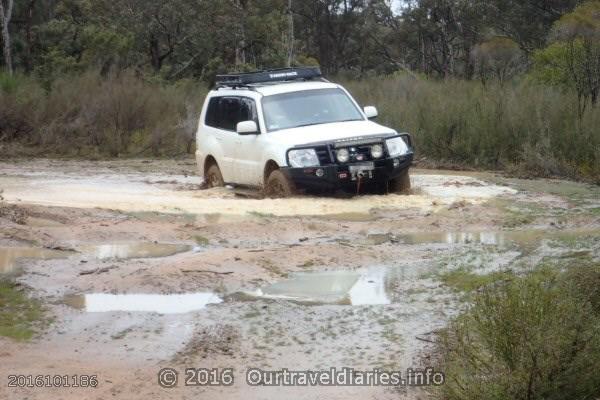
{"x":192,"y":38}
{"x":487,"y":83}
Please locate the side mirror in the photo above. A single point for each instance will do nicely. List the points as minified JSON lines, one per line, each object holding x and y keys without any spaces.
{"x":247,"y":128}
{"x":371,"y":112}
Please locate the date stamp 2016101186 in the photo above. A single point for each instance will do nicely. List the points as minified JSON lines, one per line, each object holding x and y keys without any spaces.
{"x":49,"y":381}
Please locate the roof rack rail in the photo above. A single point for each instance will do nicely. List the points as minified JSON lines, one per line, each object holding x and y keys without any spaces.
{"x":267,"y":76}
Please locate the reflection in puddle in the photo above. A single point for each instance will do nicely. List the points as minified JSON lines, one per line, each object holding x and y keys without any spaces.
{"x":489,"y":238}
{"x":10,"y":255}
{"x":370,"y":286}
{"x":522,"y":238}
{"x":133,"y":250}
{"x":158,"y":303}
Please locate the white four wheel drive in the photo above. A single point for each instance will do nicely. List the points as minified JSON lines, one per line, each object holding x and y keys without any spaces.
{"x":290,"y":130}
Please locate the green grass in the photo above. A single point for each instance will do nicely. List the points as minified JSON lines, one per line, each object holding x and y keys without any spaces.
{"x":463,"y":280}
{"x":21,"y":317}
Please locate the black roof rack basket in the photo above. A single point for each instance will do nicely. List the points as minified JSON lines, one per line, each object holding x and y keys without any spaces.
{"x":267,"y":76}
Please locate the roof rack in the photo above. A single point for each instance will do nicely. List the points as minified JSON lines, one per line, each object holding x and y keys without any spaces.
{"x":267,"y":76}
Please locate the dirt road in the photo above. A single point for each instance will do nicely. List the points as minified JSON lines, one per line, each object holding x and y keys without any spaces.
{"x":140,"y":270}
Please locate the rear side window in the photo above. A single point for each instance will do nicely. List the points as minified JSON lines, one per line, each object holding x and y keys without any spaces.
{"x":226,"y":112}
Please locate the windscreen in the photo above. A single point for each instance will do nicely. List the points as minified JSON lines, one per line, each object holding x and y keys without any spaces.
{"x":308,"y":107}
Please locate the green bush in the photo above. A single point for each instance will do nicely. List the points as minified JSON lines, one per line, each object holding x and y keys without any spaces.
{"x":115,"y":115}
{"x":528,"y":128}
{"x":520,"y":126}
{"x":531,"y":338}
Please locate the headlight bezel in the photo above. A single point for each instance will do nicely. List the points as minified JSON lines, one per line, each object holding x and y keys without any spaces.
{"x":303,"y":158}
{"x":397,"y":147}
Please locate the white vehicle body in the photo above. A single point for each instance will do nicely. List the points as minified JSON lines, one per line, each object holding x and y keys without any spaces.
{"x":242,"y":159}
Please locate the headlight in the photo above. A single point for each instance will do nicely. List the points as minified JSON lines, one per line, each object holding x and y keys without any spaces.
{"x":303,"y":158}
{"x":376,"y":151}
{"x":396,"y":147}
{"x":342,"y":155}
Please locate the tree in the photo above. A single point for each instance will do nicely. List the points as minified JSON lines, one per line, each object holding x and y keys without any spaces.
{"x":499,"y":58}
{"x":5,"y":16}
{"x":573,"y":59}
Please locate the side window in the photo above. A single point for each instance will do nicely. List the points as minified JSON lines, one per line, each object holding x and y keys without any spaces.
{"x":212,"y":113}
{"x":248,"y":110}
{"x":226,"y":112}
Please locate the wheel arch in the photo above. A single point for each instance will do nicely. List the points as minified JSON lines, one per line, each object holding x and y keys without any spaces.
{"x":208,"y":161}
{"x":270,"y":166}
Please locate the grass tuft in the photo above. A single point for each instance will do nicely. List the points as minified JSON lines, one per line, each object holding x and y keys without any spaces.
{"x":21,"y":317}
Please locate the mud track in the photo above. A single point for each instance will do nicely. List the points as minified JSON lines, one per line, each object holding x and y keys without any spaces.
{"x":142,"y":270}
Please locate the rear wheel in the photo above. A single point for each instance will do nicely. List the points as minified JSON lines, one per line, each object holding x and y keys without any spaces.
{"x":278,"y":185}
{"x":400,"y":184}
{"x":213,"y":177}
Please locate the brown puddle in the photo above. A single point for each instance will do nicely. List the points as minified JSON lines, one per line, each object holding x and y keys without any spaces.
{"x":10,"y":256}
{"x":522,"y":238}
{"x":157,"y":303}
{"x":133,"y":250}
{"x":369,"y":286}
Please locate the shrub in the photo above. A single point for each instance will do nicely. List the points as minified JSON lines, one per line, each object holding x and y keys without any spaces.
{"x":529,"y":338}
{"x":522,"y":126}
{"x":115,"y":115}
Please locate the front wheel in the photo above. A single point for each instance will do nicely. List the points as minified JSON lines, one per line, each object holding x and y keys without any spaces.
{"x":278,"y":185}
{"x":213,"y":177}
{"x":400,"y":184}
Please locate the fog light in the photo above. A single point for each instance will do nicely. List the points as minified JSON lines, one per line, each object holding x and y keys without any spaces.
{"x":343,"y":155}
{"x":396,"y":163}
{"x":376,"y":151}
{"x":360,"y":157}
{"x":343,"y":175}
{"x":320,"y":173}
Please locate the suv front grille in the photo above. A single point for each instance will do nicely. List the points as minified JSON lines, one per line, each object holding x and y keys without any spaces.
{"x":323,"y":154}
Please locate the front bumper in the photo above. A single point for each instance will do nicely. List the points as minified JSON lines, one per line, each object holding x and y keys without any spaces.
{"x":338,"y":176}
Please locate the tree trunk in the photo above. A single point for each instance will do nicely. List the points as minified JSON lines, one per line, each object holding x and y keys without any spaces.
{"x":28,"y":62}
{"x":5,"y":15}
{"x":290,"y":50}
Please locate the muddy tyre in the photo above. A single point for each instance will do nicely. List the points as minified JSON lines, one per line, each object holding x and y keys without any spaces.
{"x":400,"y":184}
{"x":213,"y":177}
{"x":279,"y":186}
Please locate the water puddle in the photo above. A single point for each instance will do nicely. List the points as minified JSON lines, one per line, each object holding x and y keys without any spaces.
{"x":522,"y":238}
{"x":157,"y":303}
{"x":372,"y":286}
{"x":133,"y":250}
{"x":10,"y":256}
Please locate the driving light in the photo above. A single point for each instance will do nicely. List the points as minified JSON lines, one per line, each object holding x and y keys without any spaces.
{"x":303,"y":158}
{"x":377,"y":151}
{"x":343,"y":155}
{"x":396,"y":147}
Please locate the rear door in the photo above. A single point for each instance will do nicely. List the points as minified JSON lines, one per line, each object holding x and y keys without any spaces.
{"x":222,"y":116}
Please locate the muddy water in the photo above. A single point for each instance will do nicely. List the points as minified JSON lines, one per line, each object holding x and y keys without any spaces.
{"x":130,"y":193}
{"x":502,"y":239}
{"x":133,"y":250}
{"x":158,"y":303}
{"x":10,"y":256}
{"x":370,"y":286}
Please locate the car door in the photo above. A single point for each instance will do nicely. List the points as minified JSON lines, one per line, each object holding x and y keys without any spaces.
{"x":249,"y":148}
{"x":221,"y":119}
